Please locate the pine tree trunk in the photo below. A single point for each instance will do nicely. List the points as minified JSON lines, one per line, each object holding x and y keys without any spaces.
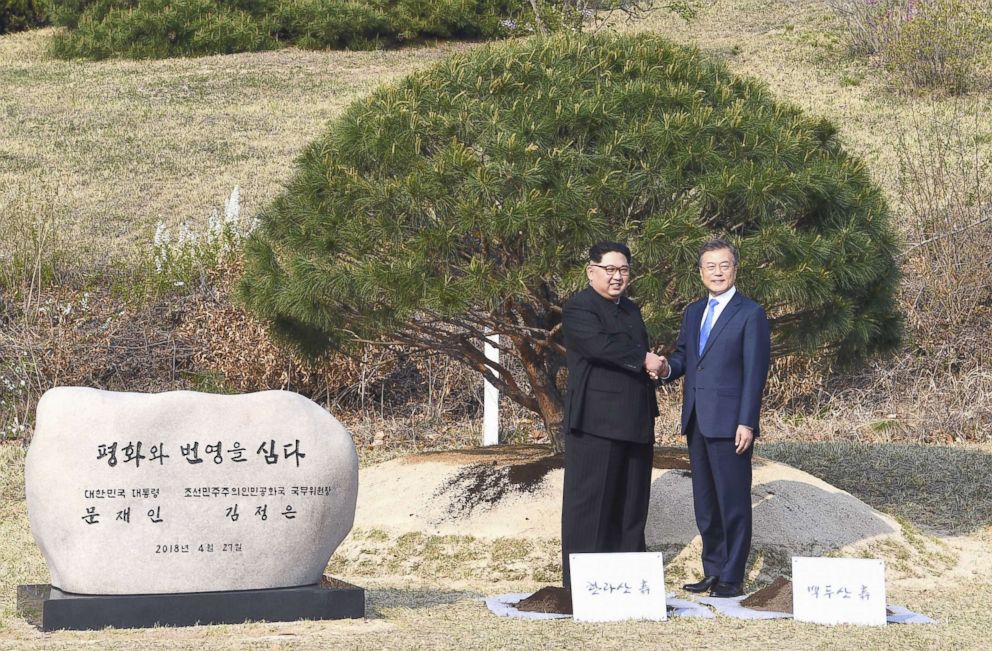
{"x":541,"y":373}
{"x":553,"y":415}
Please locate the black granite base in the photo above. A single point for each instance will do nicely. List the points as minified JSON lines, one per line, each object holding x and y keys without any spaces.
{"x":51,"y":609}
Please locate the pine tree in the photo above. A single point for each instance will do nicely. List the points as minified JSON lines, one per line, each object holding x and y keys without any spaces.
{"x":153,"y":29}
{"x":18,"y":15}
{"x":462,"y":201}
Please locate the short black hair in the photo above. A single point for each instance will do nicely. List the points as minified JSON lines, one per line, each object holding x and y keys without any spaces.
{"x":599,"y":249}
{"x":715,"y":245}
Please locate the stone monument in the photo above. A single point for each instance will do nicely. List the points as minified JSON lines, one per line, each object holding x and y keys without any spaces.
{"x":182,"y":508}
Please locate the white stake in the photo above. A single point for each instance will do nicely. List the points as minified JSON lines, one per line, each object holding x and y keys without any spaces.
{"x":490,"y":407}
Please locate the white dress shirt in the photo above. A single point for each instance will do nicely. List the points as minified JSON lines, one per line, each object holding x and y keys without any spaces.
{"x":721,"y":302}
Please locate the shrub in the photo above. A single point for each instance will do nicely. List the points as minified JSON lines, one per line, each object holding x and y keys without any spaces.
{"x":147,"y":29}
{"x":165,"y":28}
{"x":17,"y":15}
{"x":463,"y":200}
{"x":550,"y":16}
{"x":937,"y":44}
{"x":944,"y":164}
{"x":868,"y":22}
{"x":317,"y":24}
{"x":35,"y":251}
{"x":922,"y":43}
{"x":187,"y":260}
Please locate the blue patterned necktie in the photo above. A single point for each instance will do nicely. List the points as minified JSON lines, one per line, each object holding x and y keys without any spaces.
{"x":704,"y":334}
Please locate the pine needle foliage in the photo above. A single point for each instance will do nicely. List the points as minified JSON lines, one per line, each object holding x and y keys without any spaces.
{"x":153,"y":29}
{"x":462,"y":200}
{"x":18,"y":15}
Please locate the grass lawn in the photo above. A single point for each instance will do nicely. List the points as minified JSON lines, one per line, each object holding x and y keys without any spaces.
{"x":424,"y":609}
{"x":106,"y":150}
{"x":109,"y":149}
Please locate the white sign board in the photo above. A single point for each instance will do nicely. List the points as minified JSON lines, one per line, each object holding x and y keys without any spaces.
{"x":838,"y":590}
{"x":612,"y":587}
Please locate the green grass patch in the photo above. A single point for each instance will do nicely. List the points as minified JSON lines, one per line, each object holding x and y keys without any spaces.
{"x":938,"y":488}
{"x":508,"y":549}
{"x":156,"y":29}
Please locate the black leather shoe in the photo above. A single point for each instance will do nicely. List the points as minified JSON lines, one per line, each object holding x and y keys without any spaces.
{"x":704,"y":585}
{"x":725,"y":590}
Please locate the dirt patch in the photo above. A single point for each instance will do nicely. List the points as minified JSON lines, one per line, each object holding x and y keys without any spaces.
{"x":508,"y":469}
{"x":327,"y":581}
{"x":497,"y":471}
{"x":665,"y":458}
{"x":507,"y":454}
{"x":486,"y":484}
{"x":552,"y":599}
{"x":527,"y":477}
{"x":776,"y":597}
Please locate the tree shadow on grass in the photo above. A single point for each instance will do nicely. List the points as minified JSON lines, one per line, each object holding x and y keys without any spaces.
{"x":378,"y":599}
{"x":937,"y":488}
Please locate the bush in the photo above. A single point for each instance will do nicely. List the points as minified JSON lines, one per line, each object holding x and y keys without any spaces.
{"x":937,"y":45}
{"x":18,"y":15}
{"x":922,"y":43}
{"x":944,"y":165}
{"x":868,"y":22}
{"x":550,"y":16}
{"x":187,"y":261}
{"x":464,"y":199}
{"x":165,"y":28}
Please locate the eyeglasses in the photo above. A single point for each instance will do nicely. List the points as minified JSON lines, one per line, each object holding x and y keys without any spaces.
{"x":610,"y":269}
{"x":723,"y":266}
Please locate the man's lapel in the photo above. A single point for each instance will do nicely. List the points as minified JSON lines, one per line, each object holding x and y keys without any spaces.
{"x":721,"y":323}
{"x":696,"y":323}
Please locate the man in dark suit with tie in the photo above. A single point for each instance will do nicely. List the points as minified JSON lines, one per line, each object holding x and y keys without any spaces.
{"x":610,"y":407}
{"x":723,"y":351}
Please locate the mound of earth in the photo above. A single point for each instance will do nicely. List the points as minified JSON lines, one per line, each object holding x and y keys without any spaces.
{"x":776,"y":597}
{"x":552,"y":599}
{"x":515,"y":492}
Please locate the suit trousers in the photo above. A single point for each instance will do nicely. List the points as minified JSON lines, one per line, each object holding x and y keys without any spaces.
{"x":721,"y":499}
{"x":605,"y":496}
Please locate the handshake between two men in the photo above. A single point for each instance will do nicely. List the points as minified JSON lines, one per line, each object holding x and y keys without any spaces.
{"x":722,"y":357}
{"x":656,"y":366}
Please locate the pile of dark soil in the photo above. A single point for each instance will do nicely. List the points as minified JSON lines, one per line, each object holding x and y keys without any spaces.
{"x":486,"y":484}
{"x":552,"y":599}
{"x":490,"y":474}
{"x":776,"y":597}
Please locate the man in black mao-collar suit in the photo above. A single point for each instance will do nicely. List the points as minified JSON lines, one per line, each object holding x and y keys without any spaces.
{"x":723,"y":352}
{"x":610,"y":409}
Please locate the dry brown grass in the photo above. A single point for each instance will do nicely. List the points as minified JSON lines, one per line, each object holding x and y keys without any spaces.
{"x":200,"y":341}
{"x":121,"y":145}
{"x":424,"y":593}
{"x":94,"y":154}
